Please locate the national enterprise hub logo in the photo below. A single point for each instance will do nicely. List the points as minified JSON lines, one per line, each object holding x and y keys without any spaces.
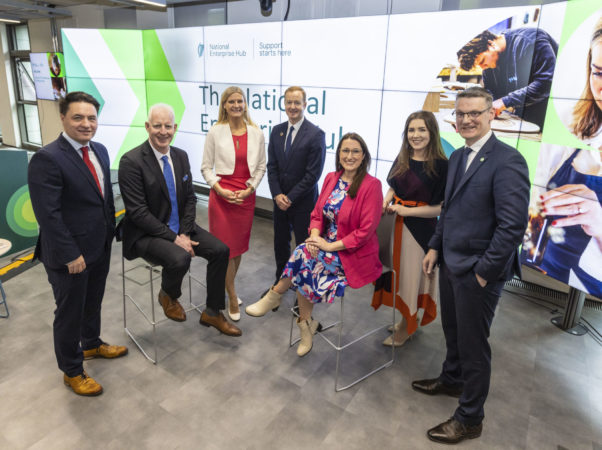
{"x":200,"y":49}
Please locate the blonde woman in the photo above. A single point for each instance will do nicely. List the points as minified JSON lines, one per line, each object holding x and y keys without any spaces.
{"x":233,"y":165}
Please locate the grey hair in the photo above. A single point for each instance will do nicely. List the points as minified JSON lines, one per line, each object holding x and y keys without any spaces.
{"x":156,"y":106}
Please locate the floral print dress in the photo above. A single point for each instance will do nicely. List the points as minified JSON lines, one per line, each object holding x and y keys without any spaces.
{"x":322,"y":278}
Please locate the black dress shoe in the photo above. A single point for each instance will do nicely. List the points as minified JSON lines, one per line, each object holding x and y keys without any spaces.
{"x":433,"y":386}
{"x":452,"y":432}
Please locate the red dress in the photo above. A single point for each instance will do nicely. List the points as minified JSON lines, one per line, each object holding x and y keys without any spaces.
{"x":232,"y":223}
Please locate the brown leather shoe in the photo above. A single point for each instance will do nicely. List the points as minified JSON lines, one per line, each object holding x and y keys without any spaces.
{"x":433,"y":386}
{"x":452,"y":432}
{"x":220,"y":323}
{"x":171,"y":307}
{"x":106,"y":351}
{"x":83,"y":385}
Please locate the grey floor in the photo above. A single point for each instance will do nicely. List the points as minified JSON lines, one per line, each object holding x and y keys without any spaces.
{"x":215,"y":392}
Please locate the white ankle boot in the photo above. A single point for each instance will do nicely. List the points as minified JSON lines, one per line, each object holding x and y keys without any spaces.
{"x":307,"y":329}
{"x":271,"y":300}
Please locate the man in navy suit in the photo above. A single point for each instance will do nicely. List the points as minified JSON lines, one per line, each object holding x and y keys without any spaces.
{"x":482,"y":223}
{"x":159,"y":224}
{"x":71,"y":195}
{"x":296,"y":155}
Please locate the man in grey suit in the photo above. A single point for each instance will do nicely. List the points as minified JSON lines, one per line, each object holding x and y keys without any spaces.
{"x":482,"y":223}
{"x":296,"y":155}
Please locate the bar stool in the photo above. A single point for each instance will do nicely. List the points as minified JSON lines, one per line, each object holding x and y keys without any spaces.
{"x":154,"y":272}
{"x":5,"y":246}
{"x":385,"y":232}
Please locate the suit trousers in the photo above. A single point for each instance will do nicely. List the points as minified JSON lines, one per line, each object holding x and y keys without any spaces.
{"x":467,"y":311}
{"x":77,"y":315}
{"x":293,"y":220}
{"x":176,"y":262}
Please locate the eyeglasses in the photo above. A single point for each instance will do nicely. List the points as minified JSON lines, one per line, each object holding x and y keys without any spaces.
{"x":354,"y":152}
{"x":472,"y":114}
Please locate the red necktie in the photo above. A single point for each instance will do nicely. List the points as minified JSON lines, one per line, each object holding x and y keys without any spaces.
{"x":85,"y":151}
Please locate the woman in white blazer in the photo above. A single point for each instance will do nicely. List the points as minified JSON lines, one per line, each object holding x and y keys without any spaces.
{"x":233,"y":165}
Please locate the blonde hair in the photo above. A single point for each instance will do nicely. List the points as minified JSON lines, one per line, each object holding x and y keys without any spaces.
{"x":587,"y":116}
{"x":223,"y":114}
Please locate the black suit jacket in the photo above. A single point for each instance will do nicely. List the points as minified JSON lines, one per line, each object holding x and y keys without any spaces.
{"x":146,"y":198}
{"x":484,"y":218}
{"x":74,"y":218}
{"x":296,"y":174}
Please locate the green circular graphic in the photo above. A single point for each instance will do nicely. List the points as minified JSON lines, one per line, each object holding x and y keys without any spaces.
{"x":19,"y":213}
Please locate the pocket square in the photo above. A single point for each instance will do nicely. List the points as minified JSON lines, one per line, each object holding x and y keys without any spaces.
{"x":185,"y":178}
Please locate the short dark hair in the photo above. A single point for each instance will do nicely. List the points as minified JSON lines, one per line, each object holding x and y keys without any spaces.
{"x":476,"y":46}
{"x":476,"y":92}
{"x":76,"y":97}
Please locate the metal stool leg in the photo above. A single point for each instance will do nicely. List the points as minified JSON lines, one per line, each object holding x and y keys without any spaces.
{"x":3,"y":302}
{"x":339,"y":346}
{"x":152,"y":320}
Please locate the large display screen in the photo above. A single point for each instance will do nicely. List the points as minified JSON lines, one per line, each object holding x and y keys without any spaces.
{"x":367,"y":74}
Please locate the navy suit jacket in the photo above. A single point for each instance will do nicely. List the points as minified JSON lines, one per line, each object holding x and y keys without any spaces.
{"x":73,"y":216}
{"x":146,"y":198}
{"x":296,"y":174}
{"x":484,"y":218}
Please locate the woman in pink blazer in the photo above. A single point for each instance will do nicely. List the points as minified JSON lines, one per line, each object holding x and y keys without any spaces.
{"x":342,"y":248}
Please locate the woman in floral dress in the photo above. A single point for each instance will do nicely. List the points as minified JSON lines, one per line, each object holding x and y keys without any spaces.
{"x":342,"y":248}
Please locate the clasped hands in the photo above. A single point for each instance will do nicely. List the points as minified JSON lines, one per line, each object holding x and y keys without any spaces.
{"x":316,"y":243}
{"x":283,"y":202}
{"x":234,"y":197}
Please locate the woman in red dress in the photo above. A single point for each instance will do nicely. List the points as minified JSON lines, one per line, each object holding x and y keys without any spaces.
{"x":233,"y":165}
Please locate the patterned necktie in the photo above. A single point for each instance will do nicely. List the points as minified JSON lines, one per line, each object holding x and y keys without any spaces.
{"x":86,"y":158}
{"x":174,"y":220}
{"x":289,"y":140}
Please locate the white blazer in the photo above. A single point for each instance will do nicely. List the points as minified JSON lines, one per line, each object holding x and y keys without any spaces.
{"x":219,"y":154}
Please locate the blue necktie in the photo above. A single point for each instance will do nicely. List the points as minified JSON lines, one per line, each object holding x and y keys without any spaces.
{"x":174,"y":220}
{"x":289,"y":140}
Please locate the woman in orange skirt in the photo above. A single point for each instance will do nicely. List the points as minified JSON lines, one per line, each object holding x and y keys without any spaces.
{"x":233,"y":165}
{"x":417,"y":184}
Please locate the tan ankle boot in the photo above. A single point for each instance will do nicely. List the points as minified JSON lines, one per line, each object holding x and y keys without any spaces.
{"x":271,"y":300}
{"x":307,"y":329}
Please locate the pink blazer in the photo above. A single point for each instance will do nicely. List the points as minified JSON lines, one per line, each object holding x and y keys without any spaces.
{"x":357,"y":222}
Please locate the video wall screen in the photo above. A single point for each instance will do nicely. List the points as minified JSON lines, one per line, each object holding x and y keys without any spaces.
{"x":48,"y":71}
{"x":367,"y":74}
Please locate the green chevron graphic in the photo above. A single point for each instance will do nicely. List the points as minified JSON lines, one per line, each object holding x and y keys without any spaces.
{"x":75,"y":68}
{"x":19,"y":213}
{"x":156,"y":67}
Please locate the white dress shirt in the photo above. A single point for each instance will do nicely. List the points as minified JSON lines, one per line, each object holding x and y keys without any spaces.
{"x":476,"y":147}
